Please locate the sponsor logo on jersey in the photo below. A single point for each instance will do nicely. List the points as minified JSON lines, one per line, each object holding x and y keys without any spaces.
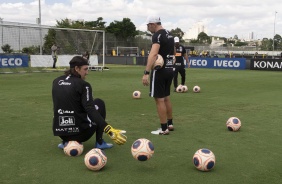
{"x":69,"y":130}
{"x":63,"y":83}
{"x":66,"y":121}
{"x":178,"y":54}
{"x":61,"y":111}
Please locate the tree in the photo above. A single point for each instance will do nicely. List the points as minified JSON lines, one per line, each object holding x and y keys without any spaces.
{"x":277,"y":42}
{"x":50,"y":39}
{"x":64,"y":23}
{"x":239,"y":44}
{"x":177,"y":32}
{"x":31,"y":50}
{"x":122,"y":29}
{"x":203,"y":38}
{"x":235,"y":37}
{"x":98,"y":24}
{"x":266,"y":44}
{"x":7,"y":48}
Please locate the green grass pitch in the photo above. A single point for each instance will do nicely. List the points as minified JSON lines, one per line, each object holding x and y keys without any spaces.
{"x":29,"y":152}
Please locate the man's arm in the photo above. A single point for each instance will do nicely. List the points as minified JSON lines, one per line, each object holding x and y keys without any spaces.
{"x":186,"y":58}
{"x":87,"y":101}
{"x":152,"y":56}
{"x":151,"y":59}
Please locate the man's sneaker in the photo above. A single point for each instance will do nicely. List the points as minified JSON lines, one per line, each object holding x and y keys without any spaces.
{"x":170,"y":127}
{"x":104,"y":145}
{"x":160,"y":132}
{"x":62,"y":145}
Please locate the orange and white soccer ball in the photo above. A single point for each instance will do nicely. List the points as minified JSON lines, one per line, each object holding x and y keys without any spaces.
{"x":136,"y":94}
{"x":179,"y":89}
{"x":233,"y":124}
{"x":95,"y":159}
{"x":196,"y":89}
{"x":159,"y":62}
{"x":184,"y":88}
{"x":142,"y":149}
{"x":73,"y":148}
{"x":204,"y":159}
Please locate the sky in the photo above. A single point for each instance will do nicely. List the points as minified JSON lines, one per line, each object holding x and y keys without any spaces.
{"x":224,"y":18}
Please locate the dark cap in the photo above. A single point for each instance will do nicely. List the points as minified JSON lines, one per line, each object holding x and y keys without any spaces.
{"x":78,"y":61}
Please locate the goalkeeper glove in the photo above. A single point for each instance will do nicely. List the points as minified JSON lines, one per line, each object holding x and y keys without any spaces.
{"x":116,"y":135}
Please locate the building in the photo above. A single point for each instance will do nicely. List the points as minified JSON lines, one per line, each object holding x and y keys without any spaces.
{"x":216,"y":42}
{"x":194,"y":31}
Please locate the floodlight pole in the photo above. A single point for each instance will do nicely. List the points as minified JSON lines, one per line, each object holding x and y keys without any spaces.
{"x":39,"y":22}
{"x":1,"y":19}
{"x":274,"y":31}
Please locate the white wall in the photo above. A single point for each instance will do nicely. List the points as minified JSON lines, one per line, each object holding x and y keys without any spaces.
{"x":63,"y":60}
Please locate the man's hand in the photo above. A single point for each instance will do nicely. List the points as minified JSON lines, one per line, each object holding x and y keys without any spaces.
{"x":145,"y":80}
{"x":116,"y":135}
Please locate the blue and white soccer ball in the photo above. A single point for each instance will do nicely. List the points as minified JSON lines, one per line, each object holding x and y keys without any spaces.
{"x":179,"y":88}
{"x":184,"y":88}
{"x":73,"y":148}
{"x":136,"y":94}
{"x":204,"y":159}
{"x":233,"y":124}
{"x":95,"y":159}
{"x":142,"y":149}
{"x":196,"y":89}
{"x":158,"y":63}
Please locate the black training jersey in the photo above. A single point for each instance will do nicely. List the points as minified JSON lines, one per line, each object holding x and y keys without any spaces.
{"x":73,"y":106}
{"x":166,"y":41}
{"x":180,"y":51}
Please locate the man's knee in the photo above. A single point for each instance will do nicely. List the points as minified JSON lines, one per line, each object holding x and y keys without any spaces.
{"x":99,"y":102}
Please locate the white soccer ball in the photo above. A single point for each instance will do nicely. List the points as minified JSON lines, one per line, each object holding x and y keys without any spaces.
{"x":196,"y":89}
{"x":73,"y":148}
{"x":136,"y":94}
{"x":142,"y":149}
{"x":159,"y":62}
{"x":204,"y":159}
{"x":179,"y":89}
{"x":95,"y":159}
{"x":233,"y":124}
{"x":184,"y":88}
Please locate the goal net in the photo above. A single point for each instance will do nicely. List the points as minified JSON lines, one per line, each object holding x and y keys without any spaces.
{"x":127,"y":51}
{"x":27,"y":47}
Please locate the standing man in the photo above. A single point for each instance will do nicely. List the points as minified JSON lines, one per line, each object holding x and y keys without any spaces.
{"x":180,"y":56}
{"x":54,"y":49}
{"x":161,"y":79}
{"x":77,"y":116}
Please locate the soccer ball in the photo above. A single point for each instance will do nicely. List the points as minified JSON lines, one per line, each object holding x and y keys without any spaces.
{"x":179,"y":89}
{"x":204,"y":159}
{"x":73,"y":148}
{"x":158,"y":64}
{"x":136,"y":94}
{"x":196,"y":89}
{"x":95,"y":159}
{"x":142,"y":149}
{"x":233,"y":124}
{"x":184,"y":88}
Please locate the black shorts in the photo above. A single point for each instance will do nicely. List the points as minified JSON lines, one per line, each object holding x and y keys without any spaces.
{"x":160,"y":82}
{"x":82,"y":137}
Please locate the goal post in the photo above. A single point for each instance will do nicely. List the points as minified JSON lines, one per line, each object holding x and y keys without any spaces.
{"x":127,"y":51}
{"x":29,"y":39}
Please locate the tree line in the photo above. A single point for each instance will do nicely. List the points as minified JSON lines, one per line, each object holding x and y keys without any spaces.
{"x":126,"y":30}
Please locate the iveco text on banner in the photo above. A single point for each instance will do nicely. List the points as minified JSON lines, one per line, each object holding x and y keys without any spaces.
{"x":225,"y":63}
{"x":13,"y":61}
